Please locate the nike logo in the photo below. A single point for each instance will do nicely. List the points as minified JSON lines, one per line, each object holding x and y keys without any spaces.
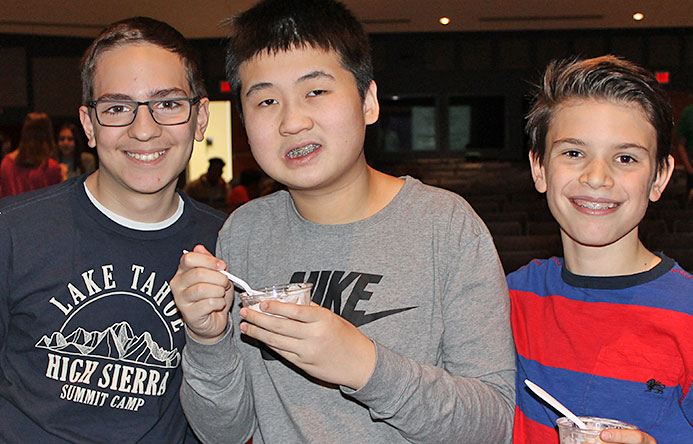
{"x":328,"y":289}
{"x":359,"y":318}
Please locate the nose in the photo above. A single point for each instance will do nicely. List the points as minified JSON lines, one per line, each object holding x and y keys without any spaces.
{"x":294,"y":119}
{"x":144,"y":127}
{"x":597,"y":174}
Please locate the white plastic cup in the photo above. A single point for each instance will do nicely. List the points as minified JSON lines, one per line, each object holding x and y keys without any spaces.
{"x":298,"y":293}
{"x":572,"y":434}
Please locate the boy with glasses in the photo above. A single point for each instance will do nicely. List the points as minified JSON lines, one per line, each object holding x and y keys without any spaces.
{"x":90,"y":334}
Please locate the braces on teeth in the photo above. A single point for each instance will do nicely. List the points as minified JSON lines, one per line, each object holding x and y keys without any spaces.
{"x":302,"y":151}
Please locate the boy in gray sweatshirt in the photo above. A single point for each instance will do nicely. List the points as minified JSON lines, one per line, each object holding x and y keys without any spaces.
{"x":408,"y":336}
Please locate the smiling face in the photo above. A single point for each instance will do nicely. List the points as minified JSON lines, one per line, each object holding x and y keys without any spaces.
{"x":66,"y":142}
{"x":144,"y":158}
{"x":599,"y":171}
{"x":305,"y":119}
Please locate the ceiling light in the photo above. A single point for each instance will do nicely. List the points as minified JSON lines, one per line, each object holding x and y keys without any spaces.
{"x":444,"y":20}
{"x":638,"y":16}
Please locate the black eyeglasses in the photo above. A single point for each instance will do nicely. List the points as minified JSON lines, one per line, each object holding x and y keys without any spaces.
{"x":167,"y":112}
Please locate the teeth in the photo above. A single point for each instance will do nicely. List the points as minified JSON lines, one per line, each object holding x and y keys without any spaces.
{"x":146,"y":157}
{"x":302,"y":151}
{"x":595,"y":205}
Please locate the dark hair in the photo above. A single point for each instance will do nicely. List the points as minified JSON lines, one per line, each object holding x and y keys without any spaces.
{"x":280,"y":25}
{"x":607,"y":78}
{"x":216,"y":161}
{"x":79,"y":146}
{"x":36,"y":144}
{"x":141,"y":30}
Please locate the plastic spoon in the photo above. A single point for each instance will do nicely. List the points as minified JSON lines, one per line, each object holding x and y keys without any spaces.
{"x":553,"y":402}
{"x":236,"y":280}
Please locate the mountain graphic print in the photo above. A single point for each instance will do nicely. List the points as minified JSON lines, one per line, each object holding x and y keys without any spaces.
{"x":115,"y":342}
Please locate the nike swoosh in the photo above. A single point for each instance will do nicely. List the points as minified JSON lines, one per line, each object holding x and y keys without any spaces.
{"x":359,"y":318}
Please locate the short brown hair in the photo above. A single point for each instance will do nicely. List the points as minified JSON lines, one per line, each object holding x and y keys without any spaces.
{"x":606,"y":78}
{"x":141,"y":30}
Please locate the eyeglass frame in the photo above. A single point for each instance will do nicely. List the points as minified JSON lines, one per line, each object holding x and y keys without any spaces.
{"x":192,"y":101}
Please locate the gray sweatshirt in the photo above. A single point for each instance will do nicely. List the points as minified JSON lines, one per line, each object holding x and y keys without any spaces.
{"x":420,"y":278}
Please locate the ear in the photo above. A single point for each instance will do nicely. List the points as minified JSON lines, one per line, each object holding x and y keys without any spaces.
{"x":371,"y":107}
{"x":202,"y":119}
{"x":662,"y":179}
{"x":538,"y":172}
{"x":87,"y":125}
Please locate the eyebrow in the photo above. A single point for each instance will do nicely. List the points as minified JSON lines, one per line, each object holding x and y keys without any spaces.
{"x":578,"y":142}
{"x":569,"y":141}
{"x":258,"y":87}
{"x":630,"y":145}
{"x":156,"y":94}
{"x":317,"y":74}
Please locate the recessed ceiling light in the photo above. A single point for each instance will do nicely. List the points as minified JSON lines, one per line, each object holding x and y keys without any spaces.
{"x":638,"y":16}
{"x":444,"y":20}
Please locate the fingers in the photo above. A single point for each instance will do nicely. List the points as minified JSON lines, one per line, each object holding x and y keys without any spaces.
{"x":199,"y":248}
{"x":202,"y":294}
{"x":297,"y":312}
{"x":198,"y":290}
{"x":202,"y":258}
{"x":625,"y":436}
{"x":204,"y":308}
{"x":315,"y":339}
{"x":286,"y":345}
{"x":199,"y":267}
{"x":287,"y":331}
{"x":288,"y":320}
{"x":205,"y":281}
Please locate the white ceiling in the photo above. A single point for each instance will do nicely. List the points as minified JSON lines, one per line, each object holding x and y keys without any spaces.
{"x":200,"y":19}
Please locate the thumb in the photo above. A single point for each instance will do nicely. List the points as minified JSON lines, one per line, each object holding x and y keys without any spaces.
{"x":199,"y":248}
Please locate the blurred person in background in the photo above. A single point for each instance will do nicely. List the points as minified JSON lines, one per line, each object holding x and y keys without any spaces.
{"x":248,"y":188}
{"x":210,"y":188}
{"x":30,"y":166}
{"x":72,"y":153}
{"x":5,"y":145}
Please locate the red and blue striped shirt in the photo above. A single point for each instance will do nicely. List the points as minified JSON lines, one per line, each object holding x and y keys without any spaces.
{"x":617,"y":347}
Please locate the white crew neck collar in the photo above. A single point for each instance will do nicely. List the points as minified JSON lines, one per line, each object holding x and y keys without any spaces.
{"x":133,"y":224}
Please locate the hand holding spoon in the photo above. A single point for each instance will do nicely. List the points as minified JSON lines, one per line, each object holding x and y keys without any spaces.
{"x":236,"y":280}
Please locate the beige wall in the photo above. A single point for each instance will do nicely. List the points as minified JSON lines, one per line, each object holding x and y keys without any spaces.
{"x":217,"y":142}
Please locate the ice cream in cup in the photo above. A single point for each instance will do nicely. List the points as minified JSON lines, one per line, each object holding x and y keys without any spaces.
{"x":298,"y":293}
{"x":570,"y":433}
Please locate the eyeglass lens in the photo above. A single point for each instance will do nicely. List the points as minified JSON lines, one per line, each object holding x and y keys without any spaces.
{"x":122,"y":112}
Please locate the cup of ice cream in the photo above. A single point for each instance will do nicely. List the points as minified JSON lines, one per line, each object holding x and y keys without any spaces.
{"x":298,"y":293}
{"x":571,"y":434}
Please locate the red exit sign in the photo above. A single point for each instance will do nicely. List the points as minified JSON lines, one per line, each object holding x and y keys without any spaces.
{"x":662,"y":76}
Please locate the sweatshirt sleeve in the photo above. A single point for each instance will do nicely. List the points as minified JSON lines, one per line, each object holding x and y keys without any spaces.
{"x":215,"y":392}
{"x":470,"y":398}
